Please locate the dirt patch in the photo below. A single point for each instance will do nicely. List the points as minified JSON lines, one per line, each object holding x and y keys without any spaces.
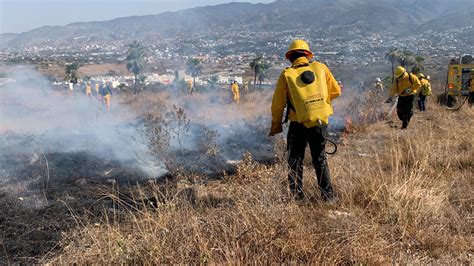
{"x":99,"y":70}
{"x":32,"y":224}
{"x":39,"y":202}
{"x":92,"y":70}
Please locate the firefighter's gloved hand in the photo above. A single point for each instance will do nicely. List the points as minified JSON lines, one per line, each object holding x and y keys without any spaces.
{"x":389,"y":100}
{"x":276,"y":128}
{"x":407,"y":91}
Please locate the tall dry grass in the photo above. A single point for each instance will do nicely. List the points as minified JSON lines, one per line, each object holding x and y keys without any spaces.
{"x":406,"y":197}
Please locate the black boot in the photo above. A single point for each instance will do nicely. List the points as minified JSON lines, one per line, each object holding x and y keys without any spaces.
{"x":329,"y":197}
{"x":405,"y":124}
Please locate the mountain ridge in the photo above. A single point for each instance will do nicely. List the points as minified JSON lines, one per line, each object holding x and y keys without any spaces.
{"x":401,"y":17}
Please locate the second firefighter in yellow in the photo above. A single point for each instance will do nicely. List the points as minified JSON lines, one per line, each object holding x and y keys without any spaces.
{"x":306,"y":89}
{"x":425,"y":91}
{"x":235,"y":92}
{"x":406,"y":86}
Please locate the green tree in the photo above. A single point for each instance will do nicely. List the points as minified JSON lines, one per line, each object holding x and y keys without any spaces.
{"x":136,"y":60}
{"x":256,"y":66}
{"x":193,"y":68}
{"x":71,"y":73}
{"x":212,"y":81}
{"x":418,"y":65}
{"x":406,"y":59}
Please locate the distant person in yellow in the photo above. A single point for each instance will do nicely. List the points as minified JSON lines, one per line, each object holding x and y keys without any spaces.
{"x":235,"y":92}
{"x":190,"y":87}
{"x":424,"y":91}
{"x":106,"y":94}
{"x":97,"y":87}
{"x":88,"y":89}
{"x":406,"y":86}
{"x":306,"y":89}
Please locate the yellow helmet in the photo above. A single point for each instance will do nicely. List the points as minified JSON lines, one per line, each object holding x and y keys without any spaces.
{"x":421,"y":75}
{"x":299,"y":45}
{"x":400,"y":71}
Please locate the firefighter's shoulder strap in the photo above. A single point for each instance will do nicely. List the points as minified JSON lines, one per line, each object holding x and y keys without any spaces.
{"x":410,"y":78}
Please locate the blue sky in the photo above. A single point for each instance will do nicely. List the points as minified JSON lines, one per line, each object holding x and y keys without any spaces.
{"x":23,"y":15}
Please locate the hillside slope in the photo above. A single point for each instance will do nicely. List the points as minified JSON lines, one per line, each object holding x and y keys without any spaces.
{"x":406,"y":197}
{"x":346,"y":15}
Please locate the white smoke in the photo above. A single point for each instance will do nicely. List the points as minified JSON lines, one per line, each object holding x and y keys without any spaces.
{"x":67,"y":121}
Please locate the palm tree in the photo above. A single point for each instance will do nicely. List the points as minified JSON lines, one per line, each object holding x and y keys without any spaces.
{"x":193,"y":68}
{"x":406,"y":59}
{"x":256,"y":66}
{"x":264,"y":68}
{"x":418,"y":67}
{"x":212,"y":81}
{"x":136,"y":59}
{"x":392,"y":56}
{"x":71,"y":73}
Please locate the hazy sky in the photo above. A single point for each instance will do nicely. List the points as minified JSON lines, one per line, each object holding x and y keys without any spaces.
{"x":23,"y":15}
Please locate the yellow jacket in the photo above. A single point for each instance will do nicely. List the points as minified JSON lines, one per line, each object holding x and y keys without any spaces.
{"x":235,"y":88}
{"x":281,"y":94}
{"x":406,"y":85}
{"x":425,"y":87}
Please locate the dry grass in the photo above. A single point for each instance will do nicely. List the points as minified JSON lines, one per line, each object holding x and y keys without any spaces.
{"x":406,"y":197}
{"x":86,"y":70}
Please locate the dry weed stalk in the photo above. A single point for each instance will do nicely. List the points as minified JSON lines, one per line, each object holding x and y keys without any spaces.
{"x":406,"y":198}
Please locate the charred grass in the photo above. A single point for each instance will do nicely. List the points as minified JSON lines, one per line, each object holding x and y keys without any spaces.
{"x":406,"y":197}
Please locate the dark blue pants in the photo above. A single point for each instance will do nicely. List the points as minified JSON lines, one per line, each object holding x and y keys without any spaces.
{"x":298,"y":138}
{"x":421,"y":102}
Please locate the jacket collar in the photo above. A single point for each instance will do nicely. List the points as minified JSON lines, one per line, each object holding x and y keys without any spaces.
{"x":404,"y":76}
{"x":300,"y":61}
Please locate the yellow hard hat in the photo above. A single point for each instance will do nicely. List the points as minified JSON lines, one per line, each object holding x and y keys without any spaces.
{"x":421,"y":75}
{"x":399,"y":71}
{"x":299,"y":45}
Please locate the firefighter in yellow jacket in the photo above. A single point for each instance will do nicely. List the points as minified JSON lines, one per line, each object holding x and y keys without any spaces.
{"x":235,"y":91}
{"x":106,"y":94}
{"x":406,"y":86}
{"x":306,"y":89}
{"x":88,"y":89}
{"x":424,"y":91}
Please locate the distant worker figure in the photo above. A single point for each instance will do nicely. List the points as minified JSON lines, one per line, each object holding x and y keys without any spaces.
{"x":471,"y":92}
{"x":340,"y":85}
{"x":245,"y":88}
{"x":424,"y":91}
{"x":97,"y":87}
{"x":378,"y":86}
{"x":235,"y":92}
{"x":106,"y":93}
{"x":406,"y":86}
{"x":306,"y":89}
{"x":88,"y":89}
{"x":190,"y":87}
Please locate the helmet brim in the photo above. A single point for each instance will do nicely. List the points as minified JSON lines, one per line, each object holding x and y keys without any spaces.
{"x":309,"y":54}
{"x":401,"y":75}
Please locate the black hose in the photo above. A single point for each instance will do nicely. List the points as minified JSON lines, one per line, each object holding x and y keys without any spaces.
{"x":335,"y":147}
{"x":459,"y":107}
